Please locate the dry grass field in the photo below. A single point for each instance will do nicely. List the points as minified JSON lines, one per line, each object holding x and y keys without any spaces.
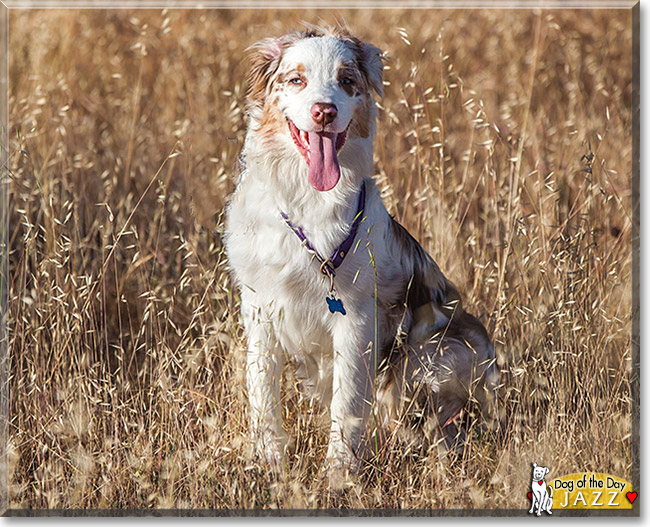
{"x":504,"y":145}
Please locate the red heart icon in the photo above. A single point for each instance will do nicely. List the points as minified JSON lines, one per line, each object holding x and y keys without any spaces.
{"x":530,"y":496}
{"x":540,"y":482}
{"x":631,"y":496}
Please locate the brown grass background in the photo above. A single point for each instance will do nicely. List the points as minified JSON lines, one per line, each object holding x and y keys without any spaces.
{"x":504,"y":145}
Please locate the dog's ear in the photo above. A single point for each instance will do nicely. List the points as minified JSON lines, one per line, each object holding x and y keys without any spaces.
{"x":373,"y":60}
{"x":546,"y":470}
{"x":265,"y":57}
{"x":534,"y":465}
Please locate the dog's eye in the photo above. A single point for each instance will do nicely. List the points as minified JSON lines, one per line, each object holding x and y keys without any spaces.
{"x":296,"y":81}
{"x":347,"y":81}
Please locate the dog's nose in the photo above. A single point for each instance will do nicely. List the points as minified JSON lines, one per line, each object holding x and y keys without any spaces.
{"x":323,"y":113}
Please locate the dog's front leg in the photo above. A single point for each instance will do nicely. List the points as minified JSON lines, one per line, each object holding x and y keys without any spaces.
{"x":264,"y":362}
{"x":352,"y":391}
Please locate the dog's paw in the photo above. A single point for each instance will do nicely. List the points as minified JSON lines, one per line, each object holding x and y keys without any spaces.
{"x":341,"y":466}
{"x":273,"y":457}
{"x":341,"y":457}
{"x":340,"y":476}
{"x":269,"y":449}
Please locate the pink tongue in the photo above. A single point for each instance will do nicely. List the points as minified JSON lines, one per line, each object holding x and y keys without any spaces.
{"x":324,"y":170}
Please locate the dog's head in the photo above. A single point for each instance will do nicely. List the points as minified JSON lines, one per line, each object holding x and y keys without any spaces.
{"x":539,"y":472}
{"x":310,"y":92}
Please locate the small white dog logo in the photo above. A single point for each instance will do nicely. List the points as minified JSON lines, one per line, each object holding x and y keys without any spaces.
{"x":541,"y":493}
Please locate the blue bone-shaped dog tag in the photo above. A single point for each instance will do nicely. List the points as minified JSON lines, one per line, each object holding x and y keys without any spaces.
{"x":335,"y":305}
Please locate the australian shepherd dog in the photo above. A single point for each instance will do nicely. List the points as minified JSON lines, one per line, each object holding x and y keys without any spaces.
{"x":327,"y":278}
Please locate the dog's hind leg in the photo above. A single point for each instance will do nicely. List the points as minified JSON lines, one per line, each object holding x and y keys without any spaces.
{"x":446,"y":373}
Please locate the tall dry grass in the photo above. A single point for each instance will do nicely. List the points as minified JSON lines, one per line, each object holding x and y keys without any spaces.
{"x":504,"y":146}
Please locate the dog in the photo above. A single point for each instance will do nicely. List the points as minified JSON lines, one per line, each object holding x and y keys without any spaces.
{"x":326,"y":276}
{"x":540,"y":491}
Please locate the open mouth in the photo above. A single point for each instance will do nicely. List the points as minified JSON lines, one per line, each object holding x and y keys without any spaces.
{"x":320,"y":150}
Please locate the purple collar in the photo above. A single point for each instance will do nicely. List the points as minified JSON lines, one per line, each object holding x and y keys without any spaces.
{"x":329,"y":265}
